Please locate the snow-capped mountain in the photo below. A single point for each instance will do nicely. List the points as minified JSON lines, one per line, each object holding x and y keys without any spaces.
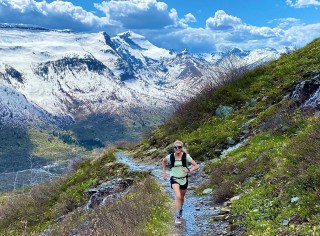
{"x":57,"y":76}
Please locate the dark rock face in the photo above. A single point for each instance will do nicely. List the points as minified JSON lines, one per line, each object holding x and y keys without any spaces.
{"x":108,"y":192}
{"x":307,"y":93}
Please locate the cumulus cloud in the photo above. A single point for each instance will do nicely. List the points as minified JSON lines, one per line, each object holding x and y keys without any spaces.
{"x":193,"y":39}
{"x":139,"y":14}
{"x":189,"y":18}
{"x":302,"y":34}
{"x":233,"y":27}
{"x":57,"y":14}
{"x":161,"y":25}
{"x":222,"y":21}
{"x":303,"y":3}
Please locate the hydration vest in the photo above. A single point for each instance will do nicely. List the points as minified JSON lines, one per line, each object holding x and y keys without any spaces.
{"x":183,"y":159}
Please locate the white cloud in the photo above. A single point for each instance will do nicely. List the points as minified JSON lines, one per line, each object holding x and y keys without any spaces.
{"x":303,"y":3}
{"x":222,"y":21}
{"x":302,"y":34}
{"x":284,"y":23}
{"x":189,"y":18}
{"x":194,"y":39}
{"x":57,"y":14}
{"x":139,"y":14}
{"x":161,"y":25}
{"x":227,"y":31}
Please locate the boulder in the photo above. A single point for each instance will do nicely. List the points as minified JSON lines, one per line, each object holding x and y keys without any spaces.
{"x":224,"y":111}
{"x":307,"y":93}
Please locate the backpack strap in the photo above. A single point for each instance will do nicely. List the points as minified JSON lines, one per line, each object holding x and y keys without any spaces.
{"x":184,"y":159}
{"x":172,"y":159}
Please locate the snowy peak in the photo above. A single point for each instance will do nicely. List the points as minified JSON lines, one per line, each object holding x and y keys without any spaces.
{"x":22,"y":27}
{"x":252,"y":58}
{"x":17,"y":111}
{"x":80,"y":74}
{"x":132,"y":45}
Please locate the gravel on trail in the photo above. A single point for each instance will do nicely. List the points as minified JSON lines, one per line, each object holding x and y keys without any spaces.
{"x":200,"y":215}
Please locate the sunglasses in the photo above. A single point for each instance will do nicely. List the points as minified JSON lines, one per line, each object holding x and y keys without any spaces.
{"x":177,"y":147}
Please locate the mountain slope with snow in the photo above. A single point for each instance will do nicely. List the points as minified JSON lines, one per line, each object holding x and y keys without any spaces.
{"x":68,"y":76}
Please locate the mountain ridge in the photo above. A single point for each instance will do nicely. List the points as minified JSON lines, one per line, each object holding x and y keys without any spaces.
{"x":73,"y":75}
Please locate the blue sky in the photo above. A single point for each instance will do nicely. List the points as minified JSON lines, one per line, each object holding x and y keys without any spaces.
{"x":198,"y":25}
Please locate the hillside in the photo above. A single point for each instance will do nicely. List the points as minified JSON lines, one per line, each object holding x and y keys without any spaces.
{"x":259,"y":137}
{"x":85,"y":90}
{"x":271,"y":114}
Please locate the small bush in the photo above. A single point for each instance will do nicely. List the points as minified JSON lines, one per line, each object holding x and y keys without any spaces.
{"x":228,"y":176}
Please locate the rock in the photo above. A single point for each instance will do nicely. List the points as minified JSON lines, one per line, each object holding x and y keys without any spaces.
{"x":236,"y":171}
{"x":306,"y":93}
{"x":285,"y":222}
{"x":218,"y":218}
{"x":92,"y":190}
{"x":252,"y":102}
{"x":230,"y":141}
{"x":152,"y":150}
{"x":294,"y":199}
{"x":224,"y":111}
{"x":245,"y":131}
{"x":207,"y":191}
{"x":235,"y":198}
{"x":224,"y":211}
{"x":218,"y":151}
{"x":227,"y":203}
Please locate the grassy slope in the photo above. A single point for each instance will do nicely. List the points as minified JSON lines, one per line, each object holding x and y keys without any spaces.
{"x":59,"y":205}
{"x":277,"y":171}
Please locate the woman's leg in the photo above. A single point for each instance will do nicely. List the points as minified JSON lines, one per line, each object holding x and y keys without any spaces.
{"x":182,"y":194}
{"x":177,"y":194}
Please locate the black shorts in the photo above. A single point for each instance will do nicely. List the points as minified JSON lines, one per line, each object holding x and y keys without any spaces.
{"x":185,"y":186}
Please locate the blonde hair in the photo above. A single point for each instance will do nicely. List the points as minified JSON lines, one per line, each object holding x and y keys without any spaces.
{"x":181,"y":143}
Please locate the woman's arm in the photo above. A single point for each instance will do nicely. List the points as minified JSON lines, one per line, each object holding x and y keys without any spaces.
{"x":164,"y":164}
{"x":194,"y":166}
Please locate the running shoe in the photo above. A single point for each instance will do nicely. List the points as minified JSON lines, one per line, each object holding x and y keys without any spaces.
{"x":178,"y":220}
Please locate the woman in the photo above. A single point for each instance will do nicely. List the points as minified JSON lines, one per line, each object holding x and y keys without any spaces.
{"x":178,"y":175}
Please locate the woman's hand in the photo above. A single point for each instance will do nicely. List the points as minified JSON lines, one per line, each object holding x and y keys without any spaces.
{"x":165,"y":177}
{"x":186,"y":170}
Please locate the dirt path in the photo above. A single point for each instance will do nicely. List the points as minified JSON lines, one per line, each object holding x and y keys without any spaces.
{"x":201,"y":216}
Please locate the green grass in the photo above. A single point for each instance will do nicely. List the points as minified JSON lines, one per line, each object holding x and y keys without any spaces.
{"x":295,"y":176}
{"x":143,"y":211}
{"x":51,"y":147}
{"x":280,"y":160}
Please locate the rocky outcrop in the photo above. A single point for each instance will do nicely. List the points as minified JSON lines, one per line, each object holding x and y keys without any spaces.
{"x":307,"y":93}
{"x":108,"y":192}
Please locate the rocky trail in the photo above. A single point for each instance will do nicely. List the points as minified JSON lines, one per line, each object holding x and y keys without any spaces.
{"x":201,"y":216}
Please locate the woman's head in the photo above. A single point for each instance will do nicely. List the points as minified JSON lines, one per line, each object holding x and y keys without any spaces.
{"x":178,"y":146}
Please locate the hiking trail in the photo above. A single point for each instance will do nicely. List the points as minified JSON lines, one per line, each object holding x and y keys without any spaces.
{"x":200,"y":215}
